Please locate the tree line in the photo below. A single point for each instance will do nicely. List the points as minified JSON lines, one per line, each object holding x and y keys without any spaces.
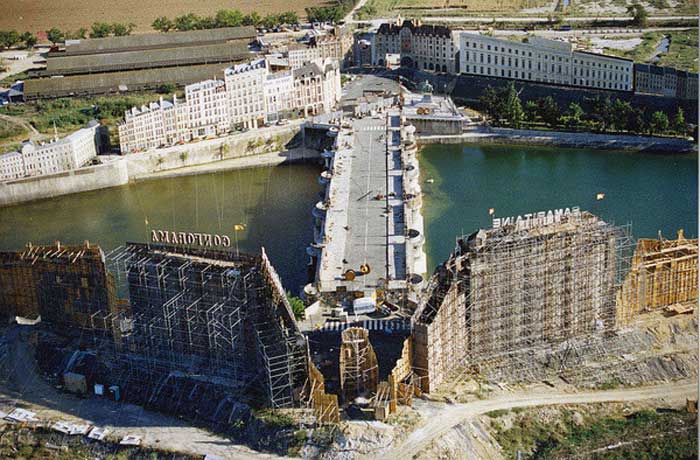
{"x":224,"y":18}
{"x":504,"y":107}
{"x":12,"y":38}
{"x":333,"y":14}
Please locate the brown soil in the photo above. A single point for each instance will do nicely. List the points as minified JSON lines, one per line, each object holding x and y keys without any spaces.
{"x":38,"y":15}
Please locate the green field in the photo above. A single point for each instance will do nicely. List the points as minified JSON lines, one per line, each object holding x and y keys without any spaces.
{"x":682,"y":53}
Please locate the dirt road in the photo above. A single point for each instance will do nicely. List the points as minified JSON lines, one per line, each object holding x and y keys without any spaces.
{"x":443,"y":420}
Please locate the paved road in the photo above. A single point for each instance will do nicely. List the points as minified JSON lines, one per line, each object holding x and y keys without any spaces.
{"x":450,"y":415}
{"x":527,"y":19}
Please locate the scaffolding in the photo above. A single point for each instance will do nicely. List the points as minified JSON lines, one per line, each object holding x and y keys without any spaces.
{"x":510,"y":290}
{"x":204,"y":321}
{"x":359,"y":370}
{"x":664,"y":274}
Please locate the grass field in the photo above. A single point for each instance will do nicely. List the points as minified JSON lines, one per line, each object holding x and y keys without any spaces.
{"x":682,"y":53}
{"x":419,"y":8}
{"x":37,"y":15}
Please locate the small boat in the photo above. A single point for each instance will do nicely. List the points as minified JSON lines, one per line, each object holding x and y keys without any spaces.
{"x":430,"y":181}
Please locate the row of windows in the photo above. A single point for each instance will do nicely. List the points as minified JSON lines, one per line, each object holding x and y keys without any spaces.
{"x":528,"y":76}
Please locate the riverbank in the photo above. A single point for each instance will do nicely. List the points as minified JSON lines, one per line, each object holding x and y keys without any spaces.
{"x":298,"y":155}
{"x":262,"y":147}
{"x":507,"y":136}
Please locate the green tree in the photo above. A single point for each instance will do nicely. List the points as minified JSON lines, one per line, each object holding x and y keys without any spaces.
{"x":100,"y":30}
{"x":189,"y":21}
{"x":492,"y":104}
{"x":513,"y":109}
{"x":228,"y":18}
{"x":574,"y":116}
{"x":78,"y":34}
{"x":531,"y":111}
{"x":166,"y":88}
{"x":658,"y":124}
{"x":639,"y":14}
{"x":620,"y":113}
{"x":679,"y":124}
{"x":289,"y":17}
{"x":121,"y":30}
{"x":297,"y":306}
{"x":54,"y":35}
{"x":636,"y":121}
{"x":251,"y":19}
{"x":29,"y":39}
{"x":162,"y":24}
{"x":9,"y":39}
{"x":548,"y":110}
{"x":601,"y":112}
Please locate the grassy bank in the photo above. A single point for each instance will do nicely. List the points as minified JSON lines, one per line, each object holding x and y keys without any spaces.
{"x":644,"y":434}
{"x":682,"y":53}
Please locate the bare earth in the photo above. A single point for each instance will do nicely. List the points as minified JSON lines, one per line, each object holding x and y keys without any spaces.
{"x":38,"y":15}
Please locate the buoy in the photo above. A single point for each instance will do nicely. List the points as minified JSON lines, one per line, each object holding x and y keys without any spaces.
{"x":364,"y":268}
{"x":349,"y":275}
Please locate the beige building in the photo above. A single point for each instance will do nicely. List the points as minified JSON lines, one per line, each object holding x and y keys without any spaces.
{"x":249,"y":96}
{"x":334,"y":45}
{"x":542,"y":60}
{"x":423,"y":47}
{"x":65,"y":154}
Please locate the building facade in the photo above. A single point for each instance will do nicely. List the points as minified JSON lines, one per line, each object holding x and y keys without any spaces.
{"x":65,"y":154}
{"x":335,"y":45}
{"x":665,"y":81}
{"x":423,"y":47}
{"x":542,"y":60}
{"x":526,"y":282}
{"x":249,"y":96}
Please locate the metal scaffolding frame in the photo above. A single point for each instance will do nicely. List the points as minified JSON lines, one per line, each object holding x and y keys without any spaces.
{"x":359,"y":370}
{"x":508,"y":291}
{"x":204,"y":316}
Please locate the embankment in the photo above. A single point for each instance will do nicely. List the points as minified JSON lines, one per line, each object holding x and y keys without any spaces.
{"x":565,"y":139}
{"x":267,"y":146}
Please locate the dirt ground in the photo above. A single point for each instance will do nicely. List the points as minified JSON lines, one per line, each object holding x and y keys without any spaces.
{"x":38,"y":15}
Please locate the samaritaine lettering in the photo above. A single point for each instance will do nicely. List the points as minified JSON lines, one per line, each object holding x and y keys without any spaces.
{"x":536,"y":219}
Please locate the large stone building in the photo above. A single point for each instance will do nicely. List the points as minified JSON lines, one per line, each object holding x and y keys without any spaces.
{"x":541,"y":60}
{"x":665,"y":81}
{"x":59,"y":155}
{"x":423,"y":47}
{"x":527,"y":282}
{"x":249,"y":96}
{"x":336,"y":45}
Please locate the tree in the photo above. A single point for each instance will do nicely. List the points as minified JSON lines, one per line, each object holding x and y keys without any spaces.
{"x":601,"y":112}
{"x":100,"y":29}
{"x":251,"y":19}
{"x":620,"y":113}
{"x":513,"y":109}
{"x":297,"y":306}
{"x":658,"y":124}
{"x":78,"y":34}
{"x":639,"y":14}
{"x":679,"y":124}
{"x":548,"y":110}
{"x":228,"y":18}
{"x":54,"y":35}
{"x":9,"y":39}
{"x":574,"y":116}
{"x":29,"y":39}
{"x":636,"y":121}
{"x":166,"y":88}
{"x":289,"y":17}
{"x":162,"y":24}
{"x":187,"y":21}
{"x":531,"y":111}
{"x":120,"y":30}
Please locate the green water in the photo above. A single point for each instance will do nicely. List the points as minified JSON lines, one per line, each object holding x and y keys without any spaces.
{"x":274,"y":203}
{"x":652,"y":192}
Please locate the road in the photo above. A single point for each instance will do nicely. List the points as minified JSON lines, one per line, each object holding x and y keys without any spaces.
{"x":444,"y":420}
{"x":352,"y":12}
{"x":526,"y":19}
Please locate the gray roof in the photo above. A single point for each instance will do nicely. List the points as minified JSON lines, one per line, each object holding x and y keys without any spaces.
{"x":94,"y":63}
{"x":119,"y":81}
{"x":159,"y":40}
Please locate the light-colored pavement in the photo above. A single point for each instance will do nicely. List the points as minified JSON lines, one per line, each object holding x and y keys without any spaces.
{"x":442,"y":421}
{"x":358,"y":5}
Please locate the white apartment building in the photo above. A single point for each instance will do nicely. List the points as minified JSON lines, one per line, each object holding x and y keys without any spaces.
{"x":65,"y":154}
{"x":245,"y":91}
{"x":335,"y":45}
{"x":279,"y":94}
{"x":208,"y":108}
{"x":248,"y":96}
{"x":423,"y":47}
{"x":317,"y":87}
{"x":542,"y":60}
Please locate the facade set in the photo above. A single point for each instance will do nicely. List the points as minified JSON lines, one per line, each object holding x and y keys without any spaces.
{"x":665,"y":81}
{"x":335,"y":45}
{"x":516,"y":287}
{"x":65,"y":154}
{"x":420,"y":46}
{"x":542,"y":60}
{"x":249,"y":95}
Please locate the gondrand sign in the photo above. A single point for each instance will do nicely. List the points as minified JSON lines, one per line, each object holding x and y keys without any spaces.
{"x":200,"y":239}
{"x":537,"y":219}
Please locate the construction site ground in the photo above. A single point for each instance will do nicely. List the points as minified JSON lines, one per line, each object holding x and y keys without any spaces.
{"x":23,"y":386}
